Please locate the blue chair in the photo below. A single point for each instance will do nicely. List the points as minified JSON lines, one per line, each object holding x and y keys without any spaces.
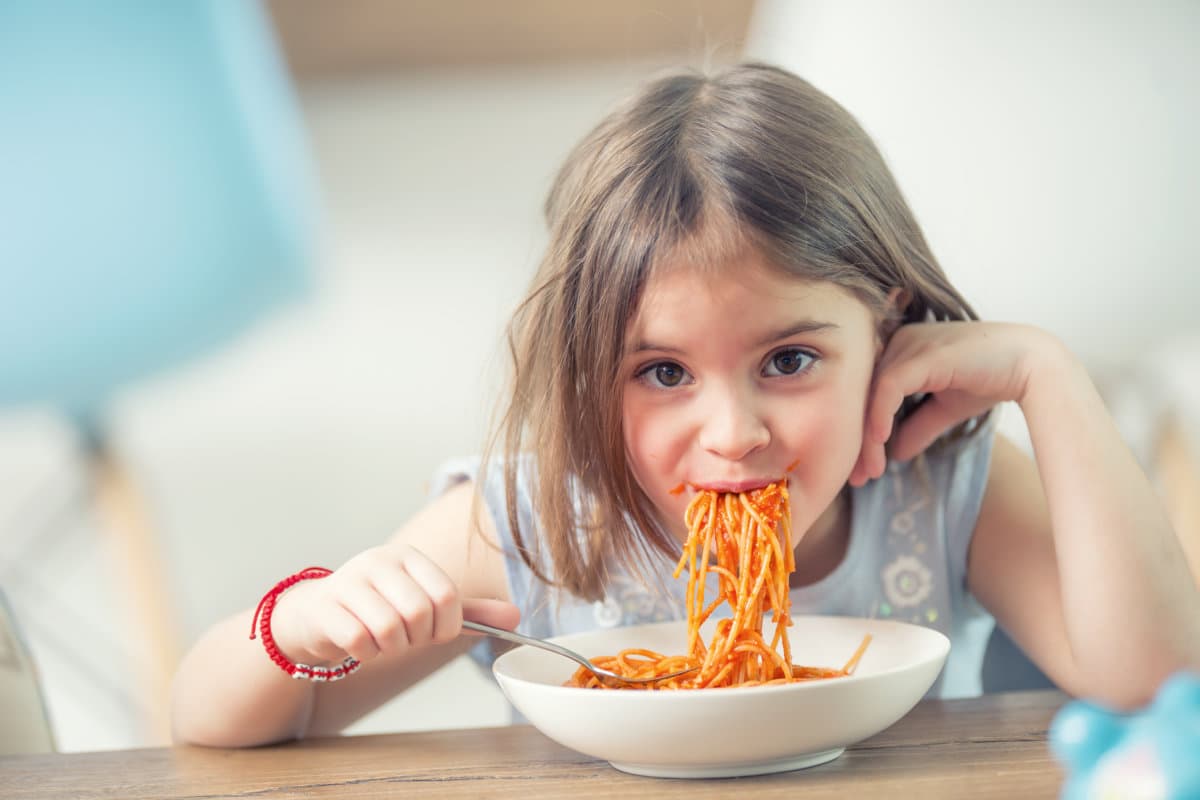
{"x":156,"y":197}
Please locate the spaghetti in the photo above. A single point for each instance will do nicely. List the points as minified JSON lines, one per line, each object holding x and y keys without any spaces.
{"x":745,"y":539}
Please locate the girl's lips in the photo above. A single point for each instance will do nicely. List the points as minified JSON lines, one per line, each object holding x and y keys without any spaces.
{"x":734,"y":486}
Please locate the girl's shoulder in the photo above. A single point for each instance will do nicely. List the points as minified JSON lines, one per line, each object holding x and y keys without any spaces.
{"x":490,"y":500}
{"x":546,"y":609}
{"x":491,"y":489}
{"x":456,"y":533}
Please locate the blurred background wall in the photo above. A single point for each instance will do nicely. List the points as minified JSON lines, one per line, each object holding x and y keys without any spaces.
{"x":1046,"y":151}
{"x":1045,"y":147}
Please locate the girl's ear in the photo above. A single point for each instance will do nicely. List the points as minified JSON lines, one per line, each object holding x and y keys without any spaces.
{"x":897,"y":301}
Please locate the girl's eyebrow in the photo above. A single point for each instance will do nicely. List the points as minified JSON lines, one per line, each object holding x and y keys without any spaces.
{"x":803,"y":326}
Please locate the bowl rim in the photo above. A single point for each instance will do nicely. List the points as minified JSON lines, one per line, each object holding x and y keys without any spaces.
{"x":940,"y":639}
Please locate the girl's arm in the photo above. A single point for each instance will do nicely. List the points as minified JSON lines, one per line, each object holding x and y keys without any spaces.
{"x":1082,"y":567}
{"x":1074,"y":556}
{"x":398,"y":608}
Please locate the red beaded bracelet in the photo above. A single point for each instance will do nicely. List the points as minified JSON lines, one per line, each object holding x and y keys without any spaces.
{"x":262,"y":622}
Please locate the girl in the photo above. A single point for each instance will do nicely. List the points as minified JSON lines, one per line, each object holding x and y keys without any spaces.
{"x":734,"y":285}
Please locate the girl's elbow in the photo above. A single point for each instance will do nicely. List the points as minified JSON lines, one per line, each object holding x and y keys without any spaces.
{"x":196,"y":724}
{"x":1126,"y":689}
{"x":200,"y":735}
{"x":188,"y":729}
{"x":187,"y":732}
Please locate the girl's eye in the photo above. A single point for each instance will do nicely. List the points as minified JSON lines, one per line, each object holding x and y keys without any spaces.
{"x":788,"y":362}
{"x":664,"y":374}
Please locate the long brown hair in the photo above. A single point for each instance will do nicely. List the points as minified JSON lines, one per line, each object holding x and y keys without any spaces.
{"x":752,"y":155}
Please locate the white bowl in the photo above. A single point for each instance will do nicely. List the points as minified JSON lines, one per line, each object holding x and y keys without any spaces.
{"x":711,"y":733}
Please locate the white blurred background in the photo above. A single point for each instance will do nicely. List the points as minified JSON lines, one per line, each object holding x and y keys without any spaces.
{"x":1048,"y":152}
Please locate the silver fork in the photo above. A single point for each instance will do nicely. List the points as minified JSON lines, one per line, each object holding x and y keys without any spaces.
{"x":517,"y":638}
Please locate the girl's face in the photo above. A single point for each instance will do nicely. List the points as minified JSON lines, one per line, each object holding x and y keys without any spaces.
{"x":732,"y":375}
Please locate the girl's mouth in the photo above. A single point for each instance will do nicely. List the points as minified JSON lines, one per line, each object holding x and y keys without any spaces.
{"x":735,"y":487}
{"x":730,"y":486}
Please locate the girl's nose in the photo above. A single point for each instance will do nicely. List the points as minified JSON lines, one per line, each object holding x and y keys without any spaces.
{"x":732,"y":427}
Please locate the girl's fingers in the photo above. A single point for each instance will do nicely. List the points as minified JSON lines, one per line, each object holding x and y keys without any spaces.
{"x":408,"y":604}
{"x":858,"y":475}
{"x":922,"y":428}
{"x":889,"y":387}
{"x":390,"y":600}
{"x":497,"y":613}
{"x":440,"y":594}
{"x":901,"y":379}
{"x":886,"y":396}
{"x":896,"y":380}
{"x":388,"y":629}
{"x":344,"y":634}
{"x":871,"y":461}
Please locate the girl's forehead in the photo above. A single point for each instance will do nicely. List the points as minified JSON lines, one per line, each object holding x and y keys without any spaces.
{"x":745,"y":296}
{"x":747,"y":277}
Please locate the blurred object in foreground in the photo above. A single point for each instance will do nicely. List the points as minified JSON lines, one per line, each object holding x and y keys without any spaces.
{"x":1150,"y":754}
{"x":157,"y":199}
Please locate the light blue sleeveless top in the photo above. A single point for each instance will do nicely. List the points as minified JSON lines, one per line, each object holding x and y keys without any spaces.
{"x":906,"y":560}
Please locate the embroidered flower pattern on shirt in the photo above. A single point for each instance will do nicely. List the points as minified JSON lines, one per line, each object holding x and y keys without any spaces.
{"x":607,"y":612}
{"x":907,"y":582}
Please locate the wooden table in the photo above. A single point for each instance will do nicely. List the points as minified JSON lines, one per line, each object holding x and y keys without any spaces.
{"x":994,"y":746}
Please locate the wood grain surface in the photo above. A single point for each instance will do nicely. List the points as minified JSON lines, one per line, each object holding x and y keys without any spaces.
{"x":993,"y":746}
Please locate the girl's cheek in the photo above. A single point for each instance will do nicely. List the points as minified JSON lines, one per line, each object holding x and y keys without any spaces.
{"x":828,"y":439}
{"x":652,"y":444}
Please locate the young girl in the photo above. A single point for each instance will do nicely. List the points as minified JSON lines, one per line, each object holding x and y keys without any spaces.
{"x":734,"y":286}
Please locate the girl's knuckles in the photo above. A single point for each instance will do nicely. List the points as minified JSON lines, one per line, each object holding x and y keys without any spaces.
{"x":352,"y":639}
{"x":328,"y":650}
{"x":448,"y":634}
{"x":443,"y":599}
{"x":420,"y":615}
{"x":390,"y":630}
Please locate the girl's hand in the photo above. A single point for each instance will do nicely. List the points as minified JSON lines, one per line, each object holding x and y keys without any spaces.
{"x":381,"y":602}
{"x":965,"y":368}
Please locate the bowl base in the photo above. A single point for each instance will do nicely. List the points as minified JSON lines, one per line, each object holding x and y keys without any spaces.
{"x":730,"y":770}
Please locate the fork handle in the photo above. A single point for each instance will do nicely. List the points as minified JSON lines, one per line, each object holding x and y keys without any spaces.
{"x":516,"y":638}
